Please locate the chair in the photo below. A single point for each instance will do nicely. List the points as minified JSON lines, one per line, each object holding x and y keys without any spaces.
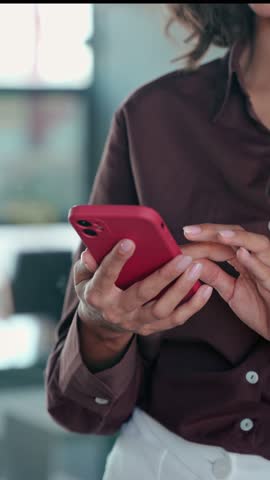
{"x":39,"y":282}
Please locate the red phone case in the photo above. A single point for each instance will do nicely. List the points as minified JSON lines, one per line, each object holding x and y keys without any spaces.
{"x":102,"y":226}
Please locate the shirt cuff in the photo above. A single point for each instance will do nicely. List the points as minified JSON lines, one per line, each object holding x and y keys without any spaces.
{"x":101,"y":389}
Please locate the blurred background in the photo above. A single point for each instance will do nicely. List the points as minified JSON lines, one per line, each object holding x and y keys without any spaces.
{"x":64,"y":69}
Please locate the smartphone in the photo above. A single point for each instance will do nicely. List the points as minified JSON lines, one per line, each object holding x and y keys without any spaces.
{"x":100,"y":227}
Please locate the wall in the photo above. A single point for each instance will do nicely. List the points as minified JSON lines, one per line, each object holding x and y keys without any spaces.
{"x":130,"y":49}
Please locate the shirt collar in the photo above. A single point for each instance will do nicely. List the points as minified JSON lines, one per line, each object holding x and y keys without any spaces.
{"x":230,"y":72}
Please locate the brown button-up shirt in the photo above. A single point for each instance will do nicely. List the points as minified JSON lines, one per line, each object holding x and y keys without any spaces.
{"x":191,"y":146}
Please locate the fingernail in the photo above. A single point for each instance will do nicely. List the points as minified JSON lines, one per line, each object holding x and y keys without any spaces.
{"x":245,"y":253}
{"x":126,"y":246}
{"x":192,"y":229}
{"x":182,"y":263}
{"x":194,"y":271}
{"x":226,"y":233}
{"x":206,"y":291}
{"x":82,"y":255}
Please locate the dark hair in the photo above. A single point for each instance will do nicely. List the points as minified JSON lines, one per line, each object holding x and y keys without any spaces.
{"x":217,"y":24}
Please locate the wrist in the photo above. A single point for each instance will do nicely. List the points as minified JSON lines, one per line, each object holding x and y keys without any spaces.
{"x":100,"y":348}
{"x":100,"y":329}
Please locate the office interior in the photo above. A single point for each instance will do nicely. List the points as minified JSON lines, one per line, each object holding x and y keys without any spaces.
{"x":64,"y":70}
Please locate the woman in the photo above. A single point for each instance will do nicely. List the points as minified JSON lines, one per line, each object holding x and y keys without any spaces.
{"x":188,"y":387}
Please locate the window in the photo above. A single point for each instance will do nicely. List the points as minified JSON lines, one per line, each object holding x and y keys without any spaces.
{"x":46,"y":71}
{"x":45,"y":45}
{"x":42,"y":156}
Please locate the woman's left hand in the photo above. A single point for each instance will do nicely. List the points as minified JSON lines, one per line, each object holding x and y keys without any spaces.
{"x":249,"y":294}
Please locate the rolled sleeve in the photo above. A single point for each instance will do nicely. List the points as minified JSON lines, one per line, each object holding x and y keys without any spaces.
{"x":78,"y":383}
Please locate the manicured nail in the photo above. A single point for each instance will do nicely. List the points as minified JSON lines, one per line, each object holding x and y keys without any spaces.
{"x":227,"y":233}
{"x":182,"y":263}
{"x":206,"y":291}
{"x":126,"y":246}
{"x":245,"y":253}
{"x":82,"y":255}
{"x":195,"y":271}
{"x":192,"y":229}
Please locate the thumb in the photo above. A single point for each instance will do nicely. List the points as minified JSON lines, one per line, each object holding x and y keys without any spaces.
{"x":88,"y":260}
{"x":84,"y":268}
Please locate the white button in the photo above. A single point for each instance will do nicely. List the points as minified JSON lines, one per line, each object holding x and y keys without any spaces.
{"x":252,"y":377}
{"x":101,"y":401}
{"x":246,"y":424}
{"x":269,"y":225}
{"x":221,"y":468}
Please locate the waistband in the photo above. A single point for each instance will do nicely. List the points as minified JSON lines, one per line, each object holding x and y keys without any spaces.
{"x":152,"y":429}
{"x":224,"y":463}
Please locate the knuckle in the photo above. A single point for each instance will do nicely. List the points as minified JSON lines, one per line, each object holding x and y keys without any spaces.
{"x":165,"y":274}
{"x":183,"y":285}
{"x":146,"y":330}
{"x":178,"y":319}
{"x":183,"y":313}
{"x":212,"y":272}
{"x":79,"y":271}
{"x":129,"y":307}
{"x":212,"y":278}
{"x":94,"y":298}
{"x":108,"y":271}
{"x":157,"y":311}
{"x":142,"y":293}
{"x":265,"y":242}
{"x":196,"y":303}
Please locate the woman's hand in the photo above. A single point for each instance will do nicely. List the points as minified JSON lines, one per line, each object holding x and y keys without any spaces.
{"x":104,"y":305}
{"x":249,"y":294}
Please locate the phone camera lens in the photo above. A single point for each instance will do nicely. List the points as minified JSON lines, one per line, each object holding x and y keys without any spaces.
{"x":91,"y":233}
{"x":84,"y":223}
{"x":97,"y":227}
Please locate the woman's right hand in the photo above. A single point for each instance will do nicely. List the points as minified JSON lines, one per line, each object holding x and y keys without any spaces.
{"x":112,"y":312}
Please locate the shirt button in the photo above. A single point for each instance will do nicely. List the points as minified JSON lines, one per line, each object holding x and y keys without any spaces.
{"x":252,"y":377}
{"x":221,"y":468}
{"x":101,"y":401}
{"x":246,"y":424}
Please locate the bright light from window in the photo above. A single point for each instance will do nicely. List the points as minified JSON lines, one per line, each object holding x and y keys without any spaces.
{"x":44,"y":45}
{"x":19,"y":342}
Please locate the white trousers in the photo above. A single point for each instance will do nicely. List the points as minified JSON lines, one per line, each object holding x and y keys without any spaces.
{"x":146,"y":450}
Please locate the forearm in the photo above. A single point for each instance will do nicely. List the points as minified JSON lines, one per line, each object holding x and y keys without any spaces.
{"x":88,"y":402}
{"x":101,"y":349}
